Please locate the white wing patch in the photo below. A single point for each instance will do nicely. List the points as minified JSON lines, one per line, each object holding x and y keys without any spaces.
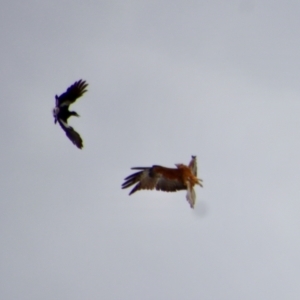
{"x":66,"y":125}
{"x":65,"y":103}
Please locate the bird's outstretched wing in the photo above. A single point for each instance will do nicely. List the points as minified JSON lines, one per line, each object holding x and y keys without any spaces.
{"x":73,"y":92}
{"x":155,"y":177}
{"x":193,"y":165}
{"x":71,"y":134}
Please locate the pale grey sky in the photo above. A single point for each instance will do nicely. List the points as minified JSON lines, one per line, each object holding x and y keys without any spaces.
{"x":167,"y":79}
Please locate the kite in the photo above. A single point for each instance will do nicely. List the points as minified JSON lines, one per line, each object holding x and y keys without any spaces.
{"x":166,"y":179}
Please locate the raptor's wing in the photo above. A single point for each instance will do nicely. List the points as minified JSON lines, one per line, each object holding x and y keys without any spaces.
{"x":155,"y":177}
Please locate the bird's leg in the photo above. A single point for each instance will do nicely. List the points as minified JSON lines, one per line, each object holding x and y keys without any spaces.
{"x":74,"y":113}
{"x":200,"y":182}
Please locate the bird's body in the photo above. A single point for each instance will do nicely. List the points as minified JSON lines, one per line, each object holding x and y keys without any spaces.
{"x":61,"y":111}
{"x":166,"y":179}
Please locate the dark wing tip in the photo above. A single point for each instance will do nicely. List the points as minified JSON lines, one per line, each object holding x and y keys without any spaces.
{"x":131,"y":179}
{"x":136,"y":188}
{"x":82,"y":85}
{"x":76,"y":90}
{"x":74,"y":136}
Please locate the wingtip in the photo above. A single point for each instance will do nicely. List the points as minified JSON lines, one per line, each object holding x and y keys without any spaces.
{"x":191,"y":196}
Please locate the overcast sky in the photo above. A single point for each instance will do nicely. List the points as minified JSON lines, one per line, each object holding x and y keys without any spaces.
{"x":167,"y":80}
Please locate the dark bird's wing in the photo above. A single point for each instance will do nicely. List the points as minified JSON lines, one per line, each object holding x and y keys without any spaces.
{"x":71,"y":134}
{"x":75,"y":91}
{"x":156,"y":177}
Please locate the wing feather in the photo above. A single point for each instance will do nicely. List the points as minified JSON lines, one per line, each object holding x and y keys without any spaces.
{"x":73,"y":92}
{"x":71,"y":134}
{"x":145,"y":179}
{"x":169,"y":185}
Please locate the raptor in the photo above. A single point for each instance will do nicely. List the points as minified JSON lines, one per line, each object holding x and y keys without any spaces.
{"x":166,"y":179}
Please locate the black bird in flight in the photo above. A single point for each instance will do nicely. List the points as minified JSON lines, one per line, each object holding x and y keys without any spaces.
{"x":61,"y":111}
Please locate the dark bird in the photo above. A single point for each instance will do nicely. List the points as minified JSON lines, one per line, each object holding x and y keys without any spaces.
{"x":61,"y":111}
{"x":166,"y":179}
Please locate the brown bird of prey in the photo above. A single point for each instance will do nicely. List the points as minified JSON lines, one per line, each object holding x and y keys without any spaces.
{"x":61,"y":111}
{"x":166,"y":179}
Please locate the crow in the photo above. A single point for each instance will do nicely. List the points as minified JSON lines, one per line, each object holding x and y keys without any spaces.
{"x":61,"y":111}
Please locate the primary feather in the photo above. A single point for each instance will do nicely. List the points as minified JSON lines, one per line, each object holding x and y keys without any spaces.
{"x":71,"y":134}
{"x":73,"y":92}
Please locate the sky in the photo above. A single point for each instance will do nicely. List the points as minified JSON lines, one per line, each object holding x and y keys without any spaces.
{"x":167,"y":80}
